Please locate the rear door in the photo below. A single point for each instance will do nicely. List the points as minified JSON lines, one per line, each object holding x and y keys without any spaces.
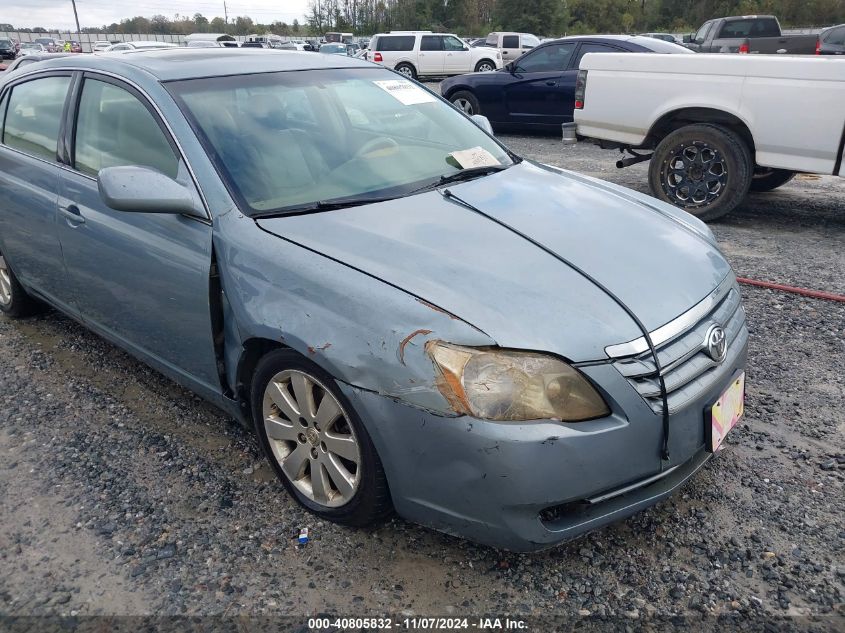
{"x":510,"y":48}
{"x":432,"y":55}
{"x":536,"y":96}
{"x":33,"y":113}
{"x":141,"y":279}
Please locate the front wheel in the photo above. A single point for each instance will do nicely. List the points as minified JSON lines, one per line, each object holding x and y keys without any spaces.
{"x":766,"y":179}
{"x":485,"y":66}
{"x":315,"y":442}
{"x":14,"y":301}
{"x":703,"y":169}
{"x":466,"y":102}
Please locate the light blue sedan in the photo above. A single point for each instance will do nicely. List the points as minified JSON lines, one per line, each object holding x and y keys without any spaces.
{"x":409,"y":315}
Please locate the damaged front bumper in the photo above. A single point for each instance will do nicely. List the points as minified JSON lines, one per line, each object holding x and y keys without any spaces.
{"x":529,"y":486}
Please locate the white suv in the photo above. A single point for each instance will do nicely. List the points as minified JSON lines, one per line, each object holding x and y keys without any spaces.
{"x":421,"y":53}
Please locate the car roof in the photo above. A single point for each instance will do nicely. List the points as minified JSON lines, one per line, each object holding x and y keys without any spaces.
{"x":639,"y":40}
{"x":171,"y":64}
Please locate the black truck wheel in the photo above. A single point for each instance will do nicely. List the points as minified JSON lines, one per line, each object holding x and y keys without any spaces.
{"x":704,"y":169}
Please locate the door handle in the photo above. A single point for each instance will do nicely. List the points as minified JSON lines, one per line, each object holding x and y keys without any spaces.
{"x":551,"y":83}
{"x":72,"y":214}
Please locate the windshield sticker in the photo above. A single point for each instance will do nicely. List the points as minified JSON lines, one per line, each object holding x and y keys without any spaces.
{"x":474,"y":157}
{"x":405,"y":91}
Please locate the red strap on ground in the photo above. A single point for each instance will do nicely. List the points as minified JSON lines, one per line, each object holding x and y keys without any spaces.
{"x":815,"y":294}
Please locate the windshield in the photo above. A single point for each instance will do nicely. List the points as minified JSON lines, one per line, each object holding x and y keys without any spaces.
{"x":286,"y":140}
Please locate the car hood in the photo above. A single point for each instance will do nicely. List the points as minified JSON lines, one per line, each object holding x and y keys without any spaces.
{"x":503,"y":274}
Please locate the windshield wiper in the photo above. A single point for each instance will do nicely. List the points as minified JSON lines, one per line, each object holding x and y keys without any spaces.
{"x":325,"y":205}
{"x":470,"y":173}
{"x":458,"y":176}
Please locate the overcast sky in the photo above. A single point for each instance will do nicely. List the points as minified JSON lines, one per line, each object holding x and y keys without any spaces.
{"x":59,"y":13}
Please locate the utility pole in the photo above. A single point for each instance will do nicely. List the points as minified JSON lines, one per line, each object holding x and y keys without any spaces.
{"x":76,"y":16}
{"x":225,"y":13}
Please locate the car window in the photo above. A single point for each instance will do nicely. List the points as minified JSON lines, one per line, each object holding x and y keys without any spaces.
{"x":551,"y":58}
{"x":452,"y":43}
{"x":34,"y":116}
{"x":701,"y":36}
{"x":114,"y":128}
{"x":388,"y":43}
{"x":758,"y":27}
{"x":510,"y":41}
{"x":836,"y":37}
{"x":594,"y":48}
{"x":529,"y":41}
{"x":431,"y":43}
{"x":395,"y":136}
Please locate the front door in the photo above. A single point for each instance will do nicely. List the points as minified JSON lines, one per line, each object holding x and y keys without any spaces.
{"x":432,"y":57}
{"x":536,"y":95}
{"x":458,"y":59}
{"x":141,"y":279}
{"x":29,"y":182}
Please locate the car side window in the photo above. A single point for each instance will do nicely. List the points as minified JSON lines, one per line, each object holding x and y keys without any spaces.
{"x":392,"y":43}
{"x":529,"y":41}
{"x":554,"y":57}
{"x":451,"y":43}
{"x":510,"y":41}
{"x":114,"y":128}
{"x":593,"y":48}
{"x":701,"y":36}
{"x":836,"y":37}
{"x":431,"y":43}
{"x":34,"y":116}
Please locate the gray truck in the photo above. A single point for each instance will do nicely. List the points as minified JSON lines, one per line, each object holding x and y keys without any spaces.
{"x":748,"y":34}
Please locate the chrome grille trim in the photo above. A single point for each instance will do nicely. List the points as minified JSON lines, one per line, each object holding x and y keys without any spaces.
{"x":687,"y":369}
{"x":670,"y":330}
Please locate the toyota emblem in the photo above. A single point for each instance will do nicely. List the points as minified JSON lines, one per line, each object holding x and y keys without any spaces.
{"x":716,"y":343}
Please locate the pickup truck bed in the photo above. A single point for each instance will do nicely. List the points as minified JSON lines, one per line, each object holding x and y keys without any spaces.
{"x":786,"y":112}
{"x":750,"y":34}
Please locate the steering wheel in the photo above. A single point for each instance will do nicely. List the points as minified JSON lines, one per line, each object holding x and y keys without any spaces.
{"x":382,"y":142}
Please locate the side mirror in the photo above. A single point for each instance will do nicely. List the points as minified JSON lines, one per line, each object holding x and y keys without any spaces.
{"x":145,"y":190}
{"x":510,"y":67}
{"x":483,"y":122}
{"x":688,"y":38}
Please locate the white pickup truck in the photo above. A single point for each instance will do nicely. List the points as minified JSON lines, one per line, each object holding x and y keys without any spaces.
{"x":716,"y":126}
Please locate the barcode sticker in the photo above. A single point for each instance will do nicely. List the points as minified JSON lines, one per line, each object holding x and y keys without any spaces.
{"x":405,"y":92}
{"x":474,"y":157}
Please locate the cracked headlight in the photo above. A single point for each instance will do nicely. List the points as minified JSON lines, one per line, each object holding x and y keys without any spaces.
{"x":507,"y":385}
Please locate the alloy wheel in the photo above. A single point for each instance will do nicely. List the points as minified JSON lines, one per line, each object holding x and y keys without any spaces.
{"x":464,"y":105}
{"x":5,"y":283}
{"x":695,"y":175}
{"x":407,"y":71}
{"x":485,"y":68}
{"x":311,"y":438}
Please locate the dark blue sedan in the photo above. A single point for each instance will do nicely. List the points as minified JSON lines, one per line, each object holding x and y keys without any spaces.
{"x":537,"y":91}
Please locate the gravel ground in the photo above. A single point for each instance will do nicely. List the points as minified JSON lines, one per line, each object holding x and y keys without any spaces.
{"x":121,"y":493}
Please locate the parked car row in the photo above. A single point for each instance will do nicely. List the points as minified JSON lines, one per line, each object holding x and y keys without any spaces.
{"x":537,"y":91}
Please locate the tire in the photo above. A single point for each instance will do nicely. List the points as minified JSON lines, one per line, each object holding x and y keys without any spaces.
{"x":466,"y":102}
{"x":765,"y":179}
{"x":406,"y":69}
{"x":309,"y":441}
{"x":14,"y":300}
{"x":485,"y":66}
{"x":704,"y":169}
